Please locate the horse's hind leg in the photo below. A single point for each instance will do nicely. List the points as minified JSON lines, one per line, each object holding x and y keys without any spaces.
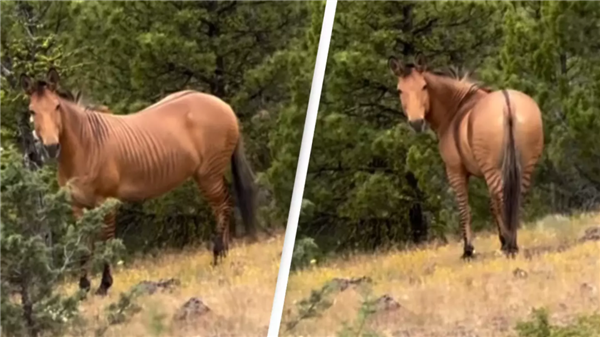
{"x":497,"y":217}
{"x":493,"y":179}
{"x":215,"y":190}
{"x":459,"y":180}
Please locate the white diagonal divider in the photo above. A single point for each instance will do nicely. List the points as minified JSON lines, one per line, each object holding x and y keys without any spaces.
{"x":302,"y":168}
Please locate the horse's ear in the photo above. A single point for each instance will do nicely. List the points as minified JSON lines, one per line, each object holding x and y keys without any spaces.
{"x":396,"y":66}
{"x":420,"y":61}
{"x":104,"y":109}
{"x":77,"y":97}
{"x":52,"y":78}
{"x":26,"y":84}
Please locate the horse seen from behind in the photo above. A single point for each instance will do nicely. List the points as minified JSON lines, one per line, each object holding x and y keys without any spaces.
{"x":143,"y":155}
{"x":497,"y":135}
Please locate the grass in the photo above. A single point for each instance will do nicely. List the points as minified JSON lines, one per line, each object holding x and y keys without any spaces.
{"x":441,"y":295}
{"x":239,"y":293}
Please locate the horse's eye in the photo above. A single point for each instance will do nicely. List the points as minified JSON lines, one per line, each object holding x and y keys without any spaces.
{"x":31,"y":112}
{"x":425,"y":87}
{"x":399,"y":92}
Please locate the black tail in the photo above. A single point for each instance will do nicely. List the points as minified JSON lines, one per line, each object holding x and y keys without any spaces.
{"x":511,"y":179}
{"x":244,"y":188}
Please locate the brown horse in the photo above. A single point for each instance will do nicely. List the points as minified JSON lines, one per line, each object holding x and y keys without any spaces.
{"x":497,"y":135}
{"x":143,"y":155}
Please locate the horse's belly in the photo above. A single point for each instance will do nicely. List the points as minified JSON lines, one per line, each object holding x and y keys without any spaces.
{"x":138,"y":183}
{"x":138,"y":190}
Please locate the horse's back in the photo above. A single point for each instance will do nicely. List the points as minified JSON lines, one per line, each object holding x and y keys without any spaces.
{"x":173,"y":141}
{"x":201,"y":116}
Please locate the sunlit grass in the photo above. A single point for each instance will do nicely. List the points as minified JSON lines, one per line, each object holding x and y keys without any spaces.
{"x":239,"y":293}
{"x":445,"y":296}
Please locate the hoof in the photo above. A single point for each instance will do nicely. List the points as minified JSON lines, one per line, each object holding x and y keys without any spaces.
{"x":468,"y":253}
{"x":219,"y":250}
{"x":102,"y":291}
{"x":84,"y":284}
{"x":511,"y":252}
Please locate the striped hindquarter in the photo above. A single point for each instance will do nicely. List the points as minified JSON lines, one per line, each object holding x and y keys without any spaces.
{"x":506,"y":143}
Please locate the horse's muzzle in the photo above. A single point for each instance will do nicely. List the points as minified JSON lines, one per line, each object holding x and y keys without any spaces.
{"x":53,"y":150}
{"x":418,"y":125}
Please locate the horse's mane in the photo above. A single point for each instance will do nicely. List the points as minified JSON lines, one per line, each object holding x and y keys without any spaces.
{"x":78,"y":99}
{"x":452,"y":72}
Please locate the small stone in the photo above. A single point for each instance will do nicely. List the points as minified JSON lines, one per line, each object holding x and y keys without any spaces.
{"x":387,"y":303}
{"x":591,"y":234}
{"x":430,"y":269}
{"x":520,"y":273}
{"x":344,"y":283}
{"x":588,"y":289}
{"x":192,"y":309}
{"x":150,"y":287}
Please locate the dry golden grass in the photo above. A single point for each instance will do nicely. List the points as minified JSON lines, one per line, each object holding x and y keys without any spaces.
{"x":239,"y":293}
{"x":441,"y":295}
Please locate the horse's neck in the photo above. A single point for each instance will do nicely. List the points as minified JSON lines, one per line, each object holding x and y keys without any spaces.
{"x":77,"y":142}
{"x":446,"y":96}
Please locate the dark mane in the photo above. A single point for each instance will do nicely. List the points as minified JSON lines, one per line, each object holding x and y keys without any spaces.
{"x":459,"y":74}
{"x":69,"y":96}
{"x":451,"y":72}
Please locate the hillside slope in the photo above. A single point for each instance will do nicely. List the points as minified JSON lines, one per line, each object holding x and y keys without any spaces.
{"x":441,"y":295}
{"x":239,"y":294}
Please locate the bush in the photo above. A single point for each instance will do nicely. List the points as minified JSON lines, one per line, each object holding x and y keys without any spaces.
{"x":41,"y":247}
{"x":539,"y":326}
{"x":305,"y":253}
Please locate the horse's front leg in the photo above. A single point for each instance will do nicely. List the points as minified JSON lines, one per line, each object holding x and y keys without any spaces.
{"x":84,"y":282}
{"x":83,"y":197}
{"x":459,"y":181}
{"x":108,"y":232}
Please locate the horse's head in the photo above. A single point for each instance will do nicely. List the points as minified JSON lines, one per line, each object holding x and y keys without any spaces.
{"x":44,"y":106}
{"x":412,"y":89}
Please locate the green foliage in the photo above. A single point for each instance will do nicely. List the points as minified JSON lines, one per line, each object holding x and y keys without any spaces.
{"x":32,"y":265}
{"x":322,"y":299}
{"x":367,"y":308}
{"x":313,"y":306}
{"x":539,"y":326}
{"x":306,"y":252}
{"x":122,"y":310}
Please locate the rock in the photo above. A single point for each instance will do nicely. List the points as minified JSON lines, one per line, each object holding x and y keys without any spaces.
{"x":150,"y":287}
{"x":192,"y":309}
{"x":344,"y":283}
{"x":520,"y":273}
{"x":591,"y":234}
{"x":430,"y":269}
{"x":588,"y":290}
{"x":387,"y":303}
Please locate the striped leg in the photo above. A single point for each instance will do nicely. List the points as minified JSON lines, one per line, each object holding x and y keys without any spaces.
{"x":459,"y":181}
{"x":216,"y":192}
{"x":108,"y":232}
{"x":497,"y":215}
{"x":493,"y":179}
{"x":509,"y":246}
